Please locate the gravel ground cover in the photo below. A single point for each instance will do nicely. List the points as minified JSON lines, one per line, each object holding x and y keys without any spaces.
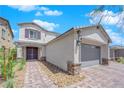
{"x":58,"y":76}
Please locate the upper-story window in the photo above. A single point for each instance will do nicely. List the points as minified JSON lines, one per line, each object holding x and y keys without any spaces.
{"x":3,"y":34}
{"x":32,"y":34}
{"x":1,"y":24}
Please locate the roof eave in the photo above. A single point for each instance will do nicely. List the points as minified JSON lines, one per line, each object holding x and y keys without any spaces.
{"x":9,"y":26}
{"x":19,"y":24}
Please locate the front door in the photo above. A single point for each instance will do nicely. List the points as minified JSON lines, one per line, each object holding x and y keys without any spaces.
{"x":32,"y":53}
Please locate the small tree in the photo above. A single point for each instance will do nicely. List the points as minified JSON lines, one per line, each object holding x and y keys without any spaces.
{"x":119,"y":13}
{"x":7,"y":62}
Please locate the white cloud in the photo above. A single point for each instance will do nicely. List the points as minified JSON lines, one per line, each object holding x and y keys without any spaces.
{"x":115,"y":36}
{"x":108,"y":17}
{"x":38,"y":14}
{"x":44,"y":8}
{"x":46,"y":25}
{"x":24,"y":8}
{"x":53,"y":13}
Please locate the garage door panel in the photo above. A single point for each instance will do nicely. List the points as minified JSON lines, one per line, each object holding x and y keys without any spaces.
{"x":90,"y":63}
{"x":90,"y":55}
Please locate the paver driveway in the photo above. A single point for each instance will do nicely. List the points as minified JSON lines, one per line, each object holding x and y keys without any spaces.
{"x":111,"y":76}
{"x":34,"y":78}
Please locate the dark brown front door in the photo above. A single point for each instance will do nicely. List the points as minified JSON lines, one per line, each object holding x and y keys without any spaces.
{"x":32,"y":53}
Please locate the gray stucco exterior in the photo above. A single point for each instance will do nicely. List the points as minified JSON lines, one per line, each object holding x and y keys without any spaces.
{"x":116,"y":51}
{"x":66,"y":47}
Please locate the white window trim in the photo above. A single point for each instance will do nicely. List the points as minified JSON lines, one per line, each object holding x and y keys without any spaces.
{"x":35,"y":37}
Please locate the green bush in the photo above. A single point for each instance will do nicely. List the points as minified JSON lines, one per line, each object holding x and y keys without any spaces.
{"x":120,"y":60}
{"x":9,"y":83}
{"x":10,"y":63}
{"x":22,"y":63}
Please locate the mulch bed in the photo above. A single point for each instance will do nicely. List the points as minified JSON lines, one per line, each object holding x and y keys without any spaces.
{"x":58,"y":76}
{"x":19,"y":78}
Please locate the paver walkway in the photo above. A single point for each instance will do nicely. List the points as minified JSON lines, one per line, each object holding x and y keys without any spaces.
{"x":111,"y":76}
{"x":36,"y":79}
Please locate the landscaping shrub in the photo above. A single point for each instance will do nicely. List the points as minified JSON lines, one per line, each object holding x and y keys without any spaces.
{"x":9,"y":83}
{"x":22,"y":63}
{"x":9,"y":65}
{"x":1,"y":62}
{"x":120,"y":60}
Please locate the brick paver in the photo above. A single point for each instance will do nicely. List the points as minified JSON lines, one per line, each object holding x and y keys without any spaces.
{"x":36,"y":79}
{"x":111,"y":76}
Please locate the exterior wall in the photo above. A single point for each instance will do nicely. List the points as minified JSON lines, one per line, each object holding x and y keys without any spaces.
{"x":39,"y":53}
{"x":24,"y":52}
{"x":94,"y":36}
{"x":19,"y":52}
{"x":112,"y":54}
{"x":61,"y":51}
{"x":45,"y":36}
{"x":7,"y":42}
{"x":105,"y":51}
{"x":76,"y":49}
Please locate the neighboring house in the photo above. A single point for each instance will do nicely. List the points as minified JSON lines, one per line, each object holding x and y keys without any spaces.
{"x":79,"y":47}
{"x":116,"y":51}
{"x":32,"y":41}
{"x":6,"y":34}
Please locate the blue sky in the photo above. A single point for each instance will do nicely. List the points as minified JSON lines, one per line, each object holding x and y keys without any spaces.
{"x":61,"y":18}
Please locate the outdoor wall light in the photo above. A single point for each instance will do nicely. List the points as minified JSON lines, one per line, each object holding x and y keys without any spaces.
{"x":78,"y":39}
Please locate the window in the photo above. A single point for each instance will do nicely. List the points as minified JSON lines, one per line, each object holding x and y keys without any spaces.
{"x":3,"y":34}
{"x":32,"y":34}
{"x":1,"y":24}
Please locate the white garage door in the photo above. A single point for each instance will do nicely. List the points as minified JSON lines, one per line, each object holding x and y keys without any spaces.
{"x":90,"y":55}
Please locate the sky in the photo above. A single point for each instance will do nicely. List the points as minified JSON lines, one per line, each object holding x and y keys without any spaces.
{"x":61,"y":18}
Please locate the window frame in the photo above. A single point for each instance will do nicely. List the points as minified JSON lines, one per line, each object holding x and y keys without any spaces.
{"x":35,"y":34}
{"x":3,"y":34}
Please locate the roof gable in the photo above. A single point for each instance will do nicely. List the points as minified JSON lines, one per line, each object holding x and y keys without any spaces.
{"x":100,"y":28}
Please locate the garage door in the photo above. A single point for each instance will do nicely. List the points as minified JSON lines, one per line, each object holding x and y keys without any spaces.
{"x":90,"y":55}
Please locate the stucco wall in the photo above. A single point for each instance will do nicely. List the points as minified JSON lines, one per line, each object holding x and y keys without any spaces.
{"x":105,"y":51}
{"x":94,"y":34}
{"x":61,"y":51}
{"x":7,"y":42}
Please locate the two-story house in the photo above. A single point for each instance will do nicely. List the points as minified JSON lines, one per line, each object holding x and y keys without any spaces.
{"x":77,"y":47}
{"x":32,"y":41}
{"x":6,"y":34}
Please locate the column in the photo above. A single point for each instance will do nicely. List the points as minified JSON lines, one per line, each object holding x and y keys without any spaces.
{"x":19,"y":52}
